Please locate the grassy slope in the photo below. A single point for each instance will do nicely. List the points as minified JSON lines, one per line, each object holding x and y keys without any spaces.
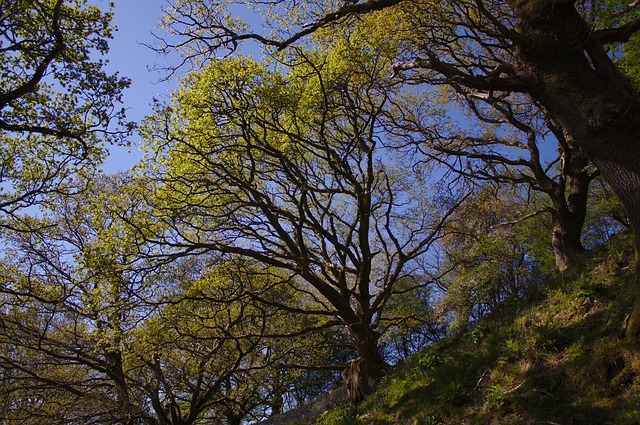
{"x":555,"y":358}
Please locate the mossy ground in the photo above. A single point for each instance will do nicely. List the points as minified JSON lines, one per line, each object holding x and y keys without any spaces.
{"x":553,"y":357}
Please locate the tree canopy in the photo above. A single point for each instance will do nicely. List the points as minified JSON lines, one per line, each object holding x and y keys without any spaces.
{"x":317,"y":213}
{"x":290,"y":168}
{"x":559,"y":53}
{"x":59,"y":108}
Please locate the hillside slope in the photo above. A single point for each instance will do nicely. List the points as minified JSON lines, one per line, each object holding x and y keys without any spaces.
{"x":553,"y":358}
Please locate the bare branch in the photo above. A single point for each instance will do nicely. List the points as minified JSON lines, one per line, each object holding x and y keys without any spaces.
{"x":493,"y":81}
{"x":618,"y":35}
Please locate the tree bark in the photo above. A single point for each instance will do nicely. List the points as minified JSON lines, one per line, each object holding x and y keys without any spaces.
{"x":235,"y":418}
{"x":364,"y":372}
{"x":571,"y":75}
{"x":569,"y":214}
{"x":128,"y":412}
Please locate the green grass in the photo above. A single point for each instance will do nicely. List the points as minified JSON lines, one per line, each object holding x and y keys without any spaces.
{"x":554,"y":358}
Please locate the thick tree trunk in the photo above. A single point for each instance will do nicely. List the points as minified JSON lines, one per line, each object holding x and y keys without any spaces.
{"x":571,"y":75}
{"x":363,"y":373}
{"x":562,"y":248}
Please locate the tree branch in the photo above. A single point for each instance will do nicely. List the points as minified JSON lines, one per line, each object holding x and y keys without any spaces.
{"x":349,"y":8}
{"x":492,"y":81}
{"x":57,"y":48}
{"x":618,"y":35}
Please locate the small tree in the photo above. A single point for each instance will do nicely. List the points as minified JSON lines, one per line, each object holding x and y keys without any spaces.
{"x":491,"y":261}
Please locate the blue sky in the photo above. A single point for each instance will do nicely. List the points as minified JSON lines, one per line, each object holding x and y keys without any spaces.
{"x":135,"y":20}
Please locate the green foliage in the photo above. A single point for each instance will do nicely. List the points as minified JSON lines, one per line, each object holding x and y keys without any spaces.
{"x":605,"y":216}
{"x":510,"y":350}
{"x":284,"y":198}
{"x":545,"y":336}
{"x":286,"y":164}
{"x":410,"y":319}
{"x":453,"y":393}
{"x":496,"y":397}
{"x":478,"y":333}
{"x":492,"y":262}
{"x":73,"y":278}
{"x":590,"y":289}
{"x":82,"y":305}
{"x":340,"y":416}
{"x":428,"y":360}
{"x":616,"y":13}
{"x":58,"y":106}
{"x":630,"y":62}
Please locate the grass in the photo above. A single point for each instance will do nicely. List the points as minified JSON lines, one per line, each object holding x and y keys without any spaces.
{"x":556,"y":357}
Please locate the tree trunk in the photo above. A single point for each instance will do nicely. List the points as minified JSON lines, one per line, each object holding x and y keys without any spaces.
{"x":570,"y":213}
{"x":572,"y":76}
{"x":276,"y":402}
{"x":128,"y":412}
{"x":234,"y":418}
{"x":364,"y":372}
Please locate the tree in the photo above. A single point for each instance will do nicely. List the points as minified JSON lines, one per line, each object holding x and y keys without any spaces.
{"x":492,"y":263}
{"x":206,"y":354}
{"x":288,"y":168}
{"x":71,"y":298}
{"x":92,"y":332}
{"x":58,"y":106}
{"x":505,"y":149}
{"x":555,"y":51}
{"x":411,"y":321}
{"x":530,"y":67}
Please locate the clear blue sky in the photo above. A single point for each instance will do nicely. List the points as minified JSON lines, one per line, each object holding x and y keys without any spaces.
{"x":135,"y":20}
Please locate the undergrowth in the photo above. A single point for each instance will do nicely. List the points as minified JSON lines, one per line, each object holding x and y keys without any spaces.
{"x":556,"y":357}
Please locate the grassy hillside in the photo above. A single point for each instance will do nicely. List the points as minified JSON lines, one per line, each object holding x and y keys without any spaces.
{"x":554,"y":358}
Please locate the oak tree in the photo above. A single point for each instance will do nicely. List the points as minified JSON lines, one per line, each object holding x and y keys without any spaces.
{"x":92,"y":332}
{"x":506,"y":148}
{"x":58,"y":105}
{"x":288,"y":166}
{"x":559,"y":52}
